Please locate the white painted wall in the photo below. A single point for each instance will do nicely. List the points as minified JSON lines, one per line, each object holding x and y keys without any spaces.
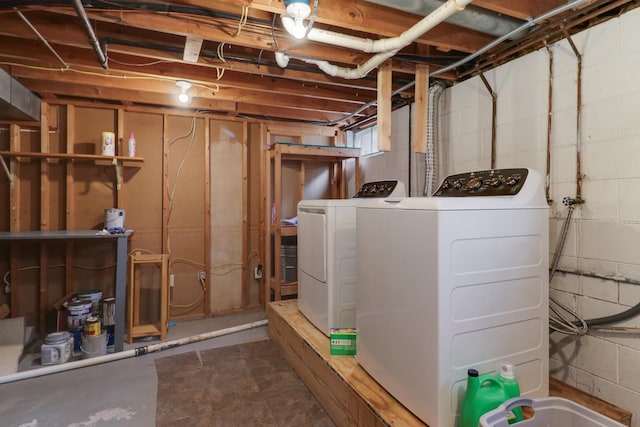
{"x":604,"y":235}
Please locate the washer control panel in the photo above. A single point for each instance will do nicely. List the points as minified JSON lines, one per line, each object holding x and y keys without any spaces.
{"x":381,"y":189}
{"x":494,"y":182}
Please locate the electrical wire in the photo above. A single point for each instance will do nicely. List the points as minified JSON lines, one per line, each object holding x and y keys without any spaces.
{"x":572,"y":324}
{"x":243,"y":20}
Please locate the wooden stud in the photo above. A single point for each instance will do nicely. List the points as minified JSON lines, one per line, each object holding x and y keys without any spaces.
{"x":268,"y":229}
{"x":384,"y":106}
{"x":207,"y":217}
{"x":301,"y":180}
{"x":165,"y":182}
{"x":14,"y":221}
{"x":421,"y":109}
{"x":44,"y":217}
{"x":244,"y":298}
{"x":120,"y":151}
{"x":70,"y":199}
{"x":277,"y":174}
{"x":262,"y":213}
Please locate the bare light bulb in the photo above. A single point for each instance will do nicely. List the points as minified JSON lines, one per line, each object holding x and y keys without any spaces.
{"x":299,"y":11}
{"x":184,"y":86}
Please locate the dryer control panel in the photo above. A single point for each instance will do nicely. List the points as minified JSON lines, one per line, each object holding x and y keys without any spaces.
{"x":493,"y":182}
{"x":387,"y":188}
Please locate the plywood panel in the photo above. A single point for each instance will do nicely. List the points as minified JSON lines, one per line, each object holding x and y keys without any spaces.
{"x":141,"y":194}
{"x":186,"y":212}
{"x":226,"y":215}
{"x":94,"y":185}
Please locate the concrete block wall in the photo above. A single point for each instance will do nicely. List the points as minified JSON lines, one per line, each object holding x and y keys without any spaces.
{"x":604,"y":233}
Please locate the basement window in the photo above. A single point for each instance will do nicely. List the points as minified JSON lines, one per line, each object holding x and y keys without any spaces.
{"x":366,"y":140}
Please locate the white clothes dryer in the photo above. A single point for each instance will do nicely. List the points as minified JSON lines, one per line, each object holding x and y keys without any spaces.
{"x":452,"y":282}
{"x":327,"y":255}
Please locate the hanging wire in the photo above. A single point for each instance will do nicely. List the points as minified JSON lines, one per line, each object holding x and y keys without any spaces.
{"x":243,"y":20}
{"x":565,"y":320}
{"x":220,"y":52}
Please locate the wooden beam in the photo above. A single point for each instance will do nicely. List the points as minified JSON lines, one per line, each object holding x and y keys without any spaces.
{"x":14,"y":221}
{"x":70,"y":199}
{"x":207,"y":216}
{"x":45,"y":213}
{"x":244,"y":298}
{"x":371,"y":18}
{"x":384,"y":106}
{"x":421,"y":109}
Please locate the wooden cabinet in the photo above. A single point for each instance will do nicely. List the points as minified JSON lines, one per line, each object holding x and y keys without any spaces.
{"x":283,"y":192}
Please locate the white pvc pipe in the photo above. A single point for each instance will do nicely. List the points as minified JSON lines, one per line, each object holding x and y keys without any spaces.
{"x":152,"y":348}
{"x":387,"y":48}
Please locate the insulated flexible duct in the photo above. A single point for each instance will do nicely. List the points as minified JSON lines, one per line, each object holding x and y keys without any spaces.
{"x":431,"y":157}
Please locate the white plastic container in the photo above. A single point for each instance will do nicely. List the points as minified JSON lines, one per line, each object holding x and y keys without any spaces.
{"x":57,"y":348}
{"x":548,"y":412}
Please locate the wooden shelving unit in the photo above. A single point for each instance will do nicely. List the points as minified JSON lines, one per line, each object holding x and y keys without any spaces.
{"x":301,"y":153}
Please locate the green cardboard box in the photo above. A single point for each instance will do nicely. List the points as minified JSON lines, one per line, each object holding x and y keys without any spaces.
{"x":343,"y":341}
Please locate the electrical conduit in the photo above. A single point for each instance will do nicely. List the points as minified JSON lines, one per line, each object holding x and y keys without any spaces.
{"x":141,"y":351}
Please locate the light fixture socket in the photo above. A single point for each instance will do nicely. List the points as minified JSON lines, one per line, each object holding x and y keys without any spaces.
{"x":298,"y":9}
{"x":184,"y":87}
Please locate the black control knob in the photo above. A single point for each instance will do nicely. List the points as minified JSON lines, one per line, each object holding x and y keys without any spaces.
{"x":495,"y":182}
{"x":457,"y":184}
{"x":511,"y":181}
{"x":474,"y":183}
{"x":445,"y":184}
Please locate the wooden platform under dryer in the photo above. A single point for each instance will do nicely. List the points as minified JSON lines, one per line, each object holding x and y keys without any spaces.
{"x":349,"y":394}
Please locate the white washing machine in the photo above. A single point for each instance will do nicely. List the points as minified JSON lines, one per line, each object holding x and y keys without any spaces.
{"x":452,"y":282}
{"x":327,"y":255}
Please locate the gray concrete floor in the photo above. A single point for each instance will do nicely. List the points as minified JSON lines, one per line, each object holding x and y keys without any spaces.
{"x":119,"y":393}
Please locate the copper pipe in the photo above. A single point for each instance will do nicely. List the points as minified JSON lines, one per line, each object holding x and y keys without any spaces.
{"x":549,"y":123}
{"x":579,"y":175}
{"x":494,"y":109}
{"x":544,"y":34}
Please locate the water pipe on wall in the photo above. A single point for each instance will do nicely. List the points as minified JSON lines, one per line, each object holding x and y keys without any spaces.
{"x":547,"y":185}
{"x":579,"y":175}
{"x":494,"y":113}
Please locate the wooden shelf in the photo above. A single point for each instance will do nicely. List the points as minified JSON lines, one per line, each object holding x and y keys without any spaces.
{"x":288,"y":230}
{"x":71,"y":156}
{"x":118,"y":162}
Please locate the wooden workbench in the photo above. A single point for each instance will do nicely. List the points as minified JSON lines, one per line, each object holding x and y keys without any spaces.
{"x":347,"y":392}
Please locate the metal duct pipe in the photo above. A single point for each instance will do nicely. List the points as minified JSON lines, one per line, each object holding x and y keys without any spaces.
{"x":82,"y":14}
{"x":473,"y":18}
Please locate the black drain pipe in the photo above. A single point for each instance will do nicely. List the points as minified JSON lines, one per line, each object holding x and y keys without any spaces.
{"x":82,"y":14}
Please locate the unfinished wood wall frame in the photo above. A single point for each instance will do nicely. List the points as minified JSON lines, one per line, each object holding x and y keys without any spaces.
{"x":306,"y":146}
{"x":61,"y":183}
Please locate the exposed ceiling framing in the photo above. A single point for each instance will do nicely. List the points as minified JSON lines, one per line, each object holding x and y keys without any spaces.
{"x":227,"y":48}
